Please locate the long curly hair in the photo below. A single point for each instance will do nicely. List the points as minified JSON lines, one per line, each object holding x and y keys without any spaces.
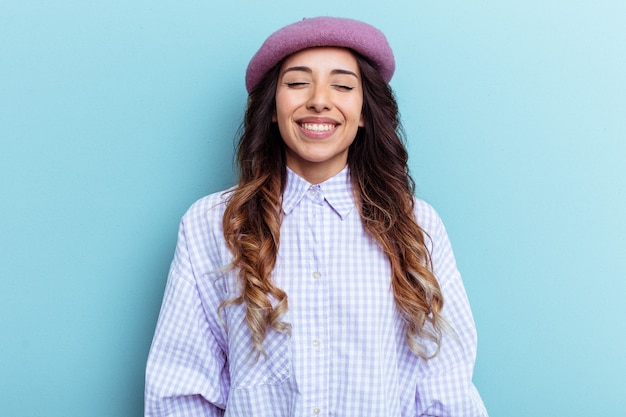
{"x":384,"y":193}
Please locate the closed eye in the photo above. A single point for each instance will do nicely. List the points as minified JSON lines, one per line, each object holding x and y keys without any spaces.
{"x":296,"y":84}
{"x":343,"y":87}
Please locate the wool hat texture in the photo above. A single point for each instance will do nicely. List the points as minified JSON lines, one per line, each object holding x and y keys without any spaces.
{"x":317,"y":32}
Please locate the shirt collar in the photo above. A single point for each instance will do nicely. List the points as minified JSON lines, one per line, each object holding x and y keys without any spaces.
{"x":336,"y":191}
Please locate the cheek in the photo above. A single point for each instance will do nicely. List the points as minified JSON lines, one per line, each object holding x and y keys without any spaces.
{"x":282,"y":109}
{"x":358,"y":113}
{"x":281,"y":118}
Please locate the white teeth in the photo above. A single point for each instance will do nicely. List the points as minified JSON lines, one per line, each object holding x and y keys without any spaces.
{"x":318,"y":127}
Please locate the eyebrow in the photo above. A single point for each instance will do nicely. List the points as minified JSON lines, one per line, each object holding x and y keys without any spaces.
{"x":310,"y":71}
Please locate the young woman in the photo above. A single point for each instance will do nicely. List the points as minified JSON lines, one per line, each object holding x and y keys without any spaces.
{"x":319,"y":285}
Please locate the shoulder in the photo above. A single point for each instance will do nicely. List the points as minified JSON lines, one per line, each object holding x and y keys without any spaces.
{"x":201,"y":225}
{"x":207,"y":209}
{"x":201,"y":240}
{"x":427,"y":217}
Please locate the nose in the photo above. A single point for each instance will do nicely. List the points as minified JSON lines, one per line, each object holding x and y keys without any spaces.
{"x":319,"y":99}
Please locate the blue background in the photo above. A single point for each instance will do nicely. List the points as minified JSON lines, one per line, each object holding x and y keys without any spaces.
{"x":115,"y":116}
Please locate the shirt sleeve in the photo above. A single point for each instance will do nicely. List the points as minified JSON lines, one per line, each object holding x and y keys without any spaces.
{"x":187,"y":370}
{"x":446,"y":388}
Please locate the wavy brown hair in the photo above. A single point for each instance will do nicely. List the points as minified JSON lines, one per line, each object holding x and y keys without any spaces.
{"x":383,"y":189}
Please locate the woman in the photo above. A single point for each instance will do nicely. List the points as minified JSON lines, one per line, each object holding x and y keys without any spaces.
{"x":318,"y":285}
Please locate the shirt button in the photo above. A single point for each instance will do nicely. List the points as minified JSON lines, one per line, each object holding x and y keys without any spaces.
{"x":316,"y":275}
{"x":316,"y":344}
{"x":316,"y":410}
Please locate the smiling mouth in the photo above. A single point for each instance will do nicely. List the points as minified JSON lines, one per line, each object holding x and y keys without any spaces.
{"x":318,"y":127}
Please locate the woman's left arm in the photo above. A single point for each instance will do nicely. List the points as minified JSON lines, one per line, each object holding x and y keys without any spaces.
{"x":446,"y":387}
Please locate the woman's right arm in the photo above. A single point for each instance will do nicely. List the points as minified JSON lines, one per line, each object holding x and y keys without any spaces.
{"x":187,"y":370}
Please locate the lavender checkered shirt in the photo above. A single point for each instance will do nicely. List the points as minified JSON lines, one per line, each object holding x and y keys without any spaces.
{"x":347,"y":355}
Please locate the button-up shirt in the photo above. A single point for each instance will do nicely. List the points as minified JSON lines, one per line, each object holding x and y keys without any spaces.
{"x":346,"y":354}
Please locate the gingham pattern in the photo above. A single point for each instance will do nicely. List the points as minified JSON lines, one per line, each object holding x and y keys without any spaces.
{"x":347,"y":354}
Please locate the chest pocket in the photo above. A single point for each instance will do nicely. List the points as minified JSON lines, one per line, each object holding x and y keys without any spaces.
{"x":265,"y":384}
{"x":249,"y":368}
{"x":270,"y":368}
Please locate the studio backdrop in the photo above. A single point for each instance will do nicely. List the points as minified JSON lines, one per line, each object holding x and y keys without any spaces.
{"x":115,"y":116}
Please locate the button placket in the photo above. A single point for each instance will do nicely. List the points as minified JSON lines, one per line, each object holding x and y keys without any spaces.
{"x":316,"y":352}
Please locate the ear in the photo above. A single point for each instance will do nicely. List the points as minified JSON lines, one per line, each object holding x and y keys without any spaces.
{"x":274,"y":118}
{"x":361,"y":121}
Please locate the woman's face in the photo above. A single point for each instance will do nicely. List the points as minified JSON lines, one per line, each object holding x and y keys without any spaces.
{"x":319,"y":98}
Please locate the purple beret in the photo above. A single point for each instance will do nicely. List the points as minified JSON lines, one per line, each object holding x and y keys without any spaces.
{"x":322,"y":31}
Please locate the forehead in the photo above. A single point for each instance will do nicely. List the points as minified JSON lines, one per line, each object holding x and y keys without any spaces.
{"x":323,"y":58}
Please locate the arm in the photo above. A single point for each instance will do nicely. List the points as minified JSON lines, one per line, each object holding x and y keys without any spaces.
{"x":187,"y":370}
{"x":446,"y":387}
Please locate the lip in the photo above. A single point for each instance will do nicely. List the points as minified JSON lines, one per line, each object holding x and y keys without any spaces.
{"x":318,"y":120}
{"x":327,"y":126}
